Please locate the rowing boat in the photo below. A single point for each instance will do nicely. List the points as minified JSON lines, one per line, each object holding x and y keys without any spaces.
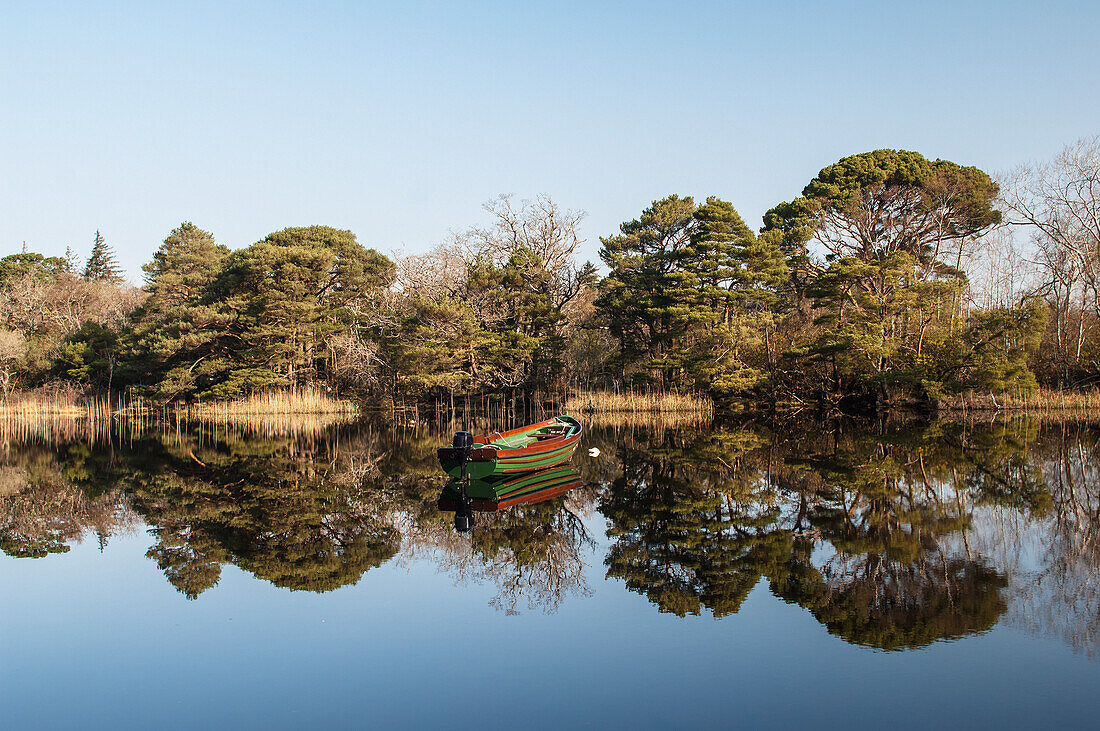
{"x":532,"y":447}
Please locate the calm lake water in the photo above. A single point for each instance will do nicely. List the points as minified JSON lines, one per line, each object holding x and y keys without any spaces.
{"x":836,"y":575}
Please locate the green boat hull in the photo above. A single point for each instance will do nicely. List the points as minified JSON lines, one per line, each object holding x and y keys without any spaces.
{"x":510,"y":487}
{"x":535,"y":447}
{"x":482,"y":469}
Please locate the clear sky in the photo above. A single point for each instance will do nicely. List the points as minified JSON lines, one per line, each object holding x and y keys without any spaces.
{"x":397,"y":120}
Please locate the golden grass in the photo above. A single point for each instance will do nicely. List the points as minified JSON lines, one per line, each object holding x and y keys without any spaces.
{"x":644,"y":419}
{"x":67,"y":417}
{"x":54,"y":417}
{"x":1042,"y":401}
{"x":34,"y":405}
{"x":303,"y":401}
{"x":640,"y":402}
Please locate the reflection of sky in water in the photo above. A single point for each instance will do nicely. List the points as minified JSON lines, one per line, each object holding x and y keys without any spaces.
{"x":101,"y":639}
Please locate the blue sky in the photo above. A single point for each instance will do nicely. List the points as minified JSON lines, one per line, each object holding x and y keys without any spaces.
{"x":398,"y":120}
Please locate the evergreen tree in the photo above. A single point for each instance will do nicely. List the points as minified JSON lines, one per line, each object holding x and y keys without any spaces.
{"x":735,"y":276}
{"x":89,"y":356}
{"x":638,"y":297}
{"x":220,"y":324}
{"x":712,"y":259}
{"x":690,"y":295}
{"x":894,"y":225}
{"x":25,"y":264}
{"x":279,"y":302}
{"x":437,"y":350}
{"x":174,"y":328}
{"x":102,"y":266}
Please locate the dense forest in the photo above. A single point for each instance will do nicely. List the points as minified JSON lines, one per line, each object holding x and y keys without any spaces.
{"x":891,"y":279}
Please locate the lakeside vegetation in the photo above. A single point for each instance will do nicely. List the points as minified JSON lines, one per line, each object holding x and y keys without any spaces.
{"x":1039,"y":401}
{"x":628,"y":402}
{"x":892,"y":280}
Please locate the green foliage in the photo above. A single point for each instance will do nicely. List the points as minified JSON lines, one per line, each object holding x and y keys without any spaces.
{"x":871,"y":529}
{"x":171,"y":327}
{"x":89,"y":355}
{"x":15,"y":266}
{"x":853,"y":291}
{"x":42,"y":303}
{"x":637,"y":296}
{"x":690,"y":295}
{"x":900,"y":194}
{"x":688,"y":534}
{"x":500,"y":332}
{"x":999,"y":343}
{"x":887,"y":296}
{"x":283,"y":515}
{"x":220,"y":325}
{"x":440,"y":348}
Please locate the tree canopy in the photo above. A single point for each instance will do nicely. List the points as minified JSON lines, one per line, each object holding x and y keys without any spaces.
{"x":857,"y":294}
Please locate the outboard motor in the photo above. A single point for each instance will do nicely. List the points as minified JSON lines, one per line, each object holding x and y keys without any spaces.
{"x":463,"y":444}
{"x":464,"y":518}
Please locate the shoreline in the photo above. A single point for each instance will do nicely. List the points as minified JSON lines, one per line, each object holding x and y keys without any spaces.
{"x":594,"y":404}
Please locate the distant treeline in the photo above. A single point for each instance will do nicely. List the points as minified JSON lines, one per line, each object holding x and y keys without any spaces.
{"x":891,"y":278}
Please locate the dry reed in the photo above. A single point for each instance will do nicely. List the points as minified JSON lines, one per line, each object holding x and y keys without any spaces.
{"x":302,"y":401}
{"x":645,"y":419}
{"x":61,"y":417}
{"x":1041,"y":401}
{"x":35,"y":405}
{"x":640,"y":402}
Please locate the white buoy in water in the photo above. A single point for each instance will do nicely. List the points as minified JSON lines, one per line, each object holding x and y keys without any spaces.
{"x":594,"y":452}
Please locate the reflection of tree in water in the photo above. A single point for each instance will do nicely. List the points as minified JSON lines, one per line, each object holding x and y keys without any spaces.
{"x":892,"y":538}
{"x":308,"y":512}
{"x":859,"y":529}
{"x":1055,"y":558}
{"x":292,"y":513}
{"x":888,"y":580}
{"x":43,"y":509}
{"x":873,"y":600}
{"x":693,"y":526}
{"x":533,"y":553}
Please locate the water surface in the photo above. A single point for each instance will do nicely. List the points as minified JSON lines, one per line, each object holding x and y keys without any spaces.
{"x":830,"y":574}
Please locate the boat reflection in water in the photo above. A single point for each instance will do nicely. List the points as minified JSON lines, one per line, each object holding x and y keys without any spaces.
{"x":500,"y":493}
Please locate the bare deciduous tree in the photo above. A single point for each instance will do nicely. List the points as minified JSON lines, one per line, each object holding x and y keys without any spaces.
{"x":13,"y":348}
{"x":540,"y":226}
{"x":1060,"y":200}
{"x":439,"y":273}
{"x":999,"y":270}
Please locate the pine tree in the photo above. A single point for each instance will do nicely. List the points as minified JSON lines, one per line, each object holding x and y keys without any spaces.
{"x":640,"y":295}
{"x":102,"y":266}
{"x":175,"y":327}
{"x":276,"y":304}
{"x":711,"y":258}
{"x":690,"y":295}
{"x":71,"y":262}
